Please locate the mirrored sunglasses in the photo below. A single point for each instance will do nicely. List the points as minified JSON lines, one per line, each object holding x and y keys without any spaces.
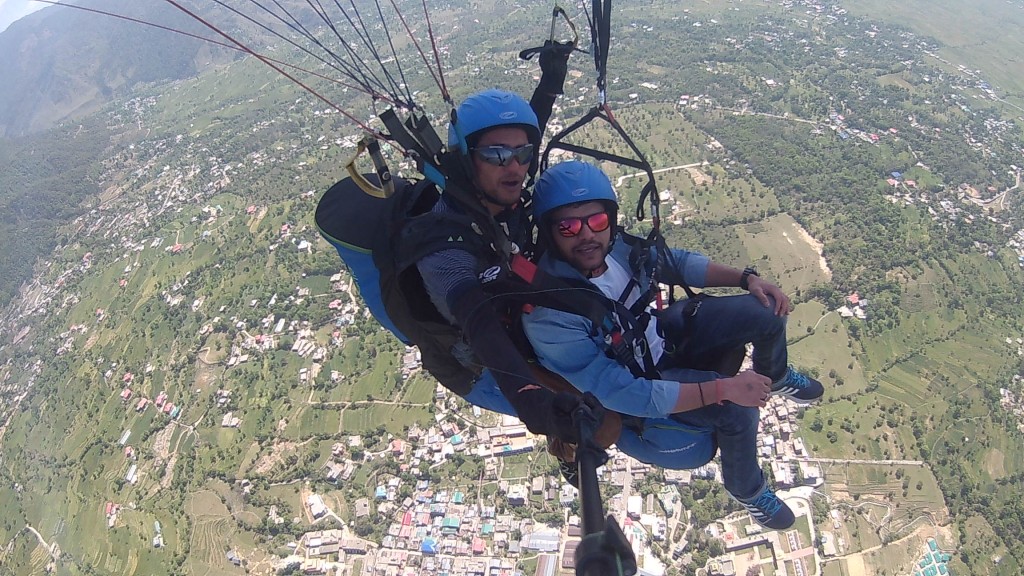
{"x":569,"y":227}
{"x":502,"y":155}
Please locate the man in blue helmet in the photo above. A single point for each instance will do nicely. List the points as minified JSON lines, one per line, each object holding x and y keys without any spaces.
{"x":475,"y":229}
{"x":494,"y":136}
{"x":682,"y":412}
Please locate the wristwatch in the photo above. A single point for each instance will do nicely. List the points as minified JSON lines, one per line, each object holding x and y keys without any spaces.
{"x":747,"y":273}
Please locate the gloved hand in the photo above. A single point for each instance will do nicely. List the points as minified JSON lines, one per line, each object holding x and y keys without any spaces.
{"x":607,"y":434}
{"x":554,"y":65}
{"x":552,"y":414}
{"x":548,"y":413}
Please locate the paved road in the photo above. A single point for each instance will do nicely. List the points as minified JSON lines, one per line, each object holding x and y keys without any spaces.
{"x":618,"y":182}
{"x":847,"y":461}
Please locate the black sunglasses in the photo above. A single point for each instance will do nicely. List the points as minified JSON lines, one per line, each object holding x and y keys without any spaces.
{"x":502,"y":155}
{"x":569,"y":227}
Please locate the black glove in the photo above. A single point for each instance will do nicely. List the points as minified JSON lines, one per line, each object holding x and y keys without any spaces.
{"x":556,"y":414}
{"x":554,"y":65}
{"x":547,"y":413}
{"x":590,"y":415}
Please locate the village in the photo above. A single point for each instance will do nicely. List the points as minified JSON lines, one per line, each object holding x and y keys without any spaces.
{"x":433,"y":527}
{"x":437,"y":528}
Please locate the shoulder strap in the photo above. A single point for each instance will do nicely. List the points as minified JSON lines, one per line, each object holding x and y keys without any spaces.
{"x":641,"y":265}
{"x":620,"y":328}
{"x":528,"y":286}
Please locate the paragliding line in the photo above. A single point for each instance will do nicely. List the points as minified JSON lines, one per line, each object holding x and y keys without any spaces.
{"x":222,"y":45}
{"x":279,"y":70}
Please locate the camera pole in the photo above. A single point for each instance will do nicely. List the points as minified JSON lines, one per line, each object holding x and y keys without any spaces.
{"x":604,"y":550}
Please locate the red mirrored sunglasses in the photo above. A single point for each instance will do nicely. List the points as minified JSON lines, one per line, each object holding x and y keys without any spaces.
{"x":597,"y":222}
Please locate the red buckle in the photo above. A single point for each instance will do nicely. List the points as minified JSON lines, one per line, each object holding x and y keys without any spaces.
{"x":523,"y":268}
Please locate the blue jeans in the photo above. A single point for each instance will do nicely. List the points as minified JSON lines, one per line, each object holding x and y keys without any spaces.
{"x":735,"y":429}
{"x":487,"y":395}
{"x":718,"y":325}
{"x":681,"y":442}
{"x":723,"y":323}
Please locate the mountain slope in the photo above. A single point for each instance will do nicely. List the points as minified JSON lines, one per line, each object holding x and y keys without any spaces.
{"x":61,"y":62}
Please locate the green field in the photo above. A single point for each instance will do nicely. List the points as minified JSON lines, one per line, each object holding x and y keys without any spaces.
{"x":956,"y":26}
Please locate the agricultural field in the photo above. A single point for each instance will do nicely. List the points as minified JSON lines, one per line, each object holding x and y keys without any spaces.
{"x":211,"y":529}
{"x":948,"y":21}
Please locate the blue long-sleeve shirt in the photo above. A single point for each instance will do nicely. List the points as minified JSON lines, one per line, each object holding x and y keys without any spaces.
{"x":564,"y":345}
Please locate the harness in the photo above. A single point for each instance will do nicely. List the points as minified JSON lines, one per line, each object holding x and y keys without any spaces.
{"x":621,"y":328}
{"x":629,"y":339}
{"x":515,"y":284}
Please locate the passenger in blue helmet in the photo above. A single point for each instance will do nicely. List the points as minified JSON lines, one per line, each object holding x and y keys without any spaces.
{"x":494,"y":135}
{"x":573,"y":183}
{"x":683,"y":411}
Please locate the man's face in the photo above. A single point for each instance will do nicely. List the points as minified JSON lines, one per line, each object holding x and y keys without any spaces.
{"x":503,"y":184}
{"x":586,"y":250}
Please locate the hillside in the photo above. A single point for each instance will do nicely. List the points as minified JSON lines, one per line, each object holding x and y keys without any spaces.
{"x":64,"y":63}
{"x":191,"y":356}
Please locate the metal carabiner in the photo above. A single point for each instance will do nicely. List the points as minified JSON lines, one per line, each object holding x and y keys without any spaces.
{"x":370,"y":145}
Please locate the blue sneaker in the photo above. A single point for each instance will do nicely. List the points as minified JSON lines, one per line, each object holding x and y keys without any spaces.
{"x":798,"y":387}
{"x":768,"y":510}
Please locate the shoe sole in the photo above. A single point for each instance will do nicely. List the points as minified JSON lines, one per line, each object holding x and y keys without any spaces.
{"x":788,"y":393}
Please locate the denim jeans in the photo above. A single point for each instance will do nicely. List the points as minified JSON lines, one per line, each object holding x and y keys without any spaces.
{"x":682,"y":441}
{"x":723,"y":323}
{"x":716,"y":326}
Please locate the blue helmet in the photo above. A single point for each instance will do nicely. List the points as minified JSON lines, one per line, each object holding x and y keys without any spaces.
{"x":568,"y":183}
{"x":491,"y":109}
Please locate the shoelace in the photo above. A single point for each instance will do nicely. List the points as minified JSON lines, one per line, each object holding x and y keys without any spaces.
{"x":793,"y":379}
{"x":797,"y":379}
{"x":766,"y":502}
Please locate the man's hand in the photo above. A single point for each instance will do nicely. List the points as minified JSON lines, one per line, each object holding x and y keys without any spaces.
{"x":748,"y":388}
{"x":762,"y":289}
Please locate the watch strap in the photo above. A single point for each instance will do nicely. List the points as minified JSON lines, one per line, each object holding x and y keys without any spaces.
{"x":745,"y":277}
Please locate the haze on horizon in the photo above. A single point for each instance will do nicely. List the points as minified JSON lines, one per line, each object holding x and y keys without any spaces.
{"x":14,"y":10}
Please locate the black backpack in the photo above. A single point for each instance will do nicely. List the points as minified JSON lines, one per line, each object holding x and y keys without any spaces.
{"x":380,"y":240}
